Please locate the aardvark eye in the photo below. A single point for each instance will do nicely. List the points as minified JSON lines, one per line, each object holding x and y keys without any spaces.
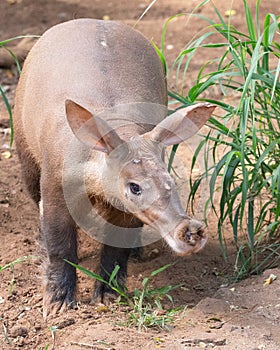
{"x":135,"y":188}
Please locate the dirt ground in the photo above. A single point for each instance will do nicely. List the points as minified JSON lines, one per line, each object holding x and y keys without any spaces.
{"x":217,"y":315}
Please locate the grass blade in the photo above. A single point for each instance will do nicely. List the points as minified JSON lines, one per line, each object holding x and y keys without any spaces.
{"x":9,"y":109}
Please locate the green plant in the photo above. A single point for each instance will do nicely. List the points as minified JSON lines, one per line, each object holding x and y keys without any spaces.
{"x":2,"y":91}
{"x":9,"y":109}
{"x":145,"y":305}
{"x":244,"y":142}
{"x":6,"y":339}
{"x":11,"y":266}
{"x":3,"y":46}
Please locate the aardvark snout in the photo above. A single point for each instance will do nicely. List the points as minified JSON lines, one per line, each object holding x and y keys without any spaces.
{"x":187,"y":238}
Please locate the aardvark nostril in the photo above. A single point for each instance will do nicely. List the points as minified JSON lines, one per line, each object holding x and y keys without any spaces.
{"x":188,"y":234}
{"x":190,"y":238}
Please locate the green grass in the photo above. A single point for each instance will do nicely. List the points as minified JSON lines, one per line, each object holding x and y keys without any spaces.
{"x":244,"y":142}
{"x":144,"y":306}
{"x":10,"y":266}
{"x":3,"y":46}
{"x":6,"y":339}
{"x":9,"y":109}
{"x":2,"y":92}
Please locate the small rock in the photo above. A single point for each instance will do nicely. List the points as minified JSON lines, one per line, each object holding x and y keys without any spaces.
{"x":66,"y":323}
{"x":6,"y":88}
{"x":153,"y":253}
{"x":101,"y":308}
{"x":18,"y":331}
{"x":230,"y":13}
{"x":12,"y":2}
{"x":7,"y":154}
{"x":62,"y":15}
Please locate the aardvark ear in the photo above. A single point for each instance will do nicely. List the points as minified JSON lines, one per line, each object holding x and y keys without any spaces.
{"x":91,"y":129}
{"x":182,"y":124}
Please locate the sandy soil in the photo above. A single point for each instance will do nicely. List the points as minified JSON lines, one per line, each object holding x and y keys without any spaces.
{"x":217,"y":315}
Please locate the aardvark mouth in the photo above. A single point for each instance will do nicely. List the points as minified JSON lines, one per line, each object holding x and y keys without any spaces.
{"x":187,"y":238}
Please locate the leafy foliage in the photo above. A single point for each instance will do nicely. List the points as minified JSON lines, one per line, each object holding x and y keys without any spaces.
{"x":2,"y":91}
{"x":245,"y":141}
{"x":145,"y":307}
